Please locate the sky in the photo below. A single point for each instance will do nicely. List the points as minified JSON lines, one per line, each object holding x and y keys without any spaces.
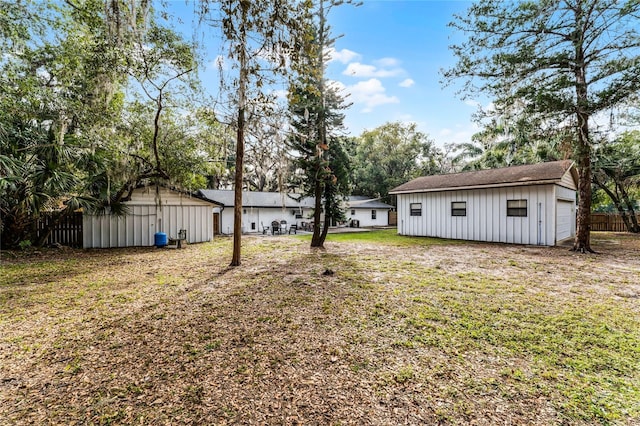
{"x":390,"y":58}
{"x":388,"y":61}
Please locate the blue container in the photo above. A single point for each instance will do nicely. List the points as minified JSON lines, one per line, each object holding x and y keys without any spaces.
{"x":160,"y":239}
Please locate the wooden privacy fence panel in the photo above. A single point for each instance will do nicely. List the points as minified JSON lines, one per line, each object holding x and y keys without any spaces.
{"x":608,"y":222}
{"x":68,"y":232}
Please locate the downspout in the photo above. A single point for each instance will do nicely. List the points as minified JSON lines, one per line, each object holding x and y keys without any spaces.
{"x":539,"y":224}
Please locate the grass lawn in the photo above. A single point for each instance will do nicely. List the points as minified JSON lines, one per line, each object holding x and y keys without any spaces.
{"x":377,"y":329}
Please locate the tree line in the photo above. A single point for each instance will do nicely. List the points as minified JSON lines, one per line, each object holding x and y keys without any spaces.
{"x":100,"y":97}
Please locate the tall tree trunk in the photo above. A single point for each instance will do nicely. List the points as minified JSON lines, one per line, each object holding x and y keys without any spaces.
{"x":237,"y":200}
{"x":327,"y":216}
{"x":318,"y":234}
{"x":582,"y":241}
{"x":242,"y":88}
{"x":316,"y":239}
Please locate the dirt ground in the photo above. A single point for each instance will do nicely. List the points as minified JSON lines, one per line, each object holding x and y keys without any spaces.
{"x":294,"y":336}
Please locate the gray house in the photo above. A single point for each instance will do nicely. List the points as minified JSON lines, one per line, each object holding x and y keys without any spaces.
{"x":259,"y":209}
{"x":531,"y":204}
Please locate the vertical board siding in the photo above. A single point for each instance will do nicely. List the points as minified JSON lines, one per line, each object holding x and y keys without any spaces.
{"x":144,"y":218}
{"x":149,"y":221}
{"x":194,"y":223}
{"x":486,"y":218}
{"x":141,"y":222}
{"x":502,"y":219}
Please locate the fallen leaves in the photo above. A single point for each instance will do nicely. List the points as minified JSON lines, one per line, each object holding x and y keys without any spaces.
{"x":148,"y":336}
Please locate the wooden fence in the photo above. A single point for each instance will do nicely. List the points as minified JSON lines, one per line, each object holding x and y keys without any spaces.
{"x":608,"y":222}
{"x":68,"y":232}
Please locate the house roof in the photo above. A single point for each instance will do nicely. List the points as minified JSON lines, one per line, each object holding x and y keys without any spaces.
{"x":363,"y":202}
{"x":226,"y":197}
{"x":532,"y":174}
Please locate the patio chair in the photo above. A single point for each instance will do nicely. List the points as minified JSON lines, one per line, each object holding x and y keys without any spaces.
{"x":177,"y":242}
{"x":283,"y":226}
{"x":265,"y":229}
{"x":275,"y":227}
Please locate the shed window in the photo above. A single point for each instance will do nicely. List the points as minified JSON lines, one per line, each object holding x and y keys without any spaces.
{"x":415,"y":209}
{"x":517,"y":208}
{"x":373,"y":214}
{"x":459,"y":208}
{"x":353,"y":212}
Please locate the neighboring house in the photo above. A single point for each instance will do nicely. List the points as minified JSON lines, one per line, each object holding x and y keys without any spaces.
{"x":259,"y":209}
{"x":363,"y":211}
{"x":531,"y":204}
{"x":151,"y":209}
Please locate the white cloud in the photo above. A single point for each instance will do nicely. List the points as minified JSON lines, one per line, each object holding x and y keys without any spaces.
{"x":357,"y":69}
{"x":387,"y":62}
{"x":407,"y":83}
{"x":369,"y":93}
{"x":472,"y":103}
{"x":344,"y":56}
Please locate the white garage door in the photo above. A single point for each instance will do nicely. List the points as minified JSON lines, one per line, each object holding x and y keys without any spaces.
{"x":564,"y":220}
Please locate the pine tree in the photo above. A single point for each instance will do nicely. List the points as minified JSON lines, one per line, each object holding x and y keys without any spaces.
{"x":316,"y":118}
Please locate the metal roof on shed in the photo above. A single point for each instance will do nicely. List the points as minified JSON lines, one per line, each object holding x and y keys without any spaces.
{"x":531,"y":174}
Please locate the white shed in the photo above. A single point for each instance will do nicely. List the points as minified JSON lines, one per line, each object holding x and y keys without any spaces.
{"x":151,"y":209}
{"x":531,"y":204}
